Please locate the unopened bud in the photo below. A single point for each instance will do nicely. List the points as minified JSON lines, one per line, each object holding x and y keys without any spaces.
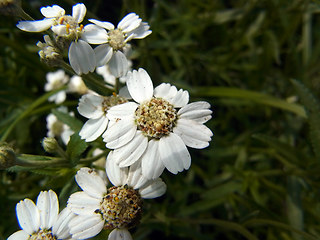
{"x":49,"y":53}
{"x":7,"y":157}
{"x":50,"y":144}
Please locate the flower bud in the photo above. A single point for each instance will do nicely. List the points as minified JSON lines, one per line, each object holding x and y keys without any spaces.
{"x":49,"y":53}
{"x":50,"y":144}
{"x":7,"y":157}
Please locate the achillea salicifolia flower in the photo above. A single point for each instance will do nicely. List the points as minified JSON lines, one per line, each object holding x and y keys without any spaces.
{"x":69,"y":33}
{"x":57,"y":128}
{"x":56,"y":80}
{"x":130,"y":27}
{"x":42,"y":221}
{"x":95,"y":107}
{"x":157,"y":127}
{"x":118,"y":208}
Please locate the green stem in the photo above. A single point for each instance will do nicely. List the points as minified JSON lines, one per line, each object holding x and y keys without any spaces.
{"x":92,"y":159}
{"x":29,"y":109}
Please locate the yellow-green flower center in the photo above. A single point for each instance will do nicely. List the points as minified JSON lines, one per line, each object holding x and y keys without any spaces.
{"x":116,"y":39}
{"x":111,"y":101}
{"x":42,"y":235}
{"x":121,"y":207}
{"x":156,"y":118}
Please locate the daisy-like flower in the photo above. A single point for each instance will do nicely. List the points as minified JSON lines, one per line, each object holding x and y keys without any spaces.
{"x":70,"y":34}
{"x":157,"y":128}
{"x":118,"y":208}
{"x":130,"y":27}
{"x":95,"y":107}
{"x":43,"y":220}
{"x":57,"y":128}
{"x":56,"y":80}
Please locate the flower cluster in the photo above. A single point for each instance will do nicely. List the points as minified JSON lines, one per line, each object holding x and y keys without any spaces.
{"x":145,"y":129}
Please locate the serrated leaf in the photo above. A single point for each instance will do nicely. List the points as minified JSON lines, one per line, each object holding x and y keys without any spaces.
{"x":312,"y":106}
{"x":74,"y":123}
{"x":75,"y":148}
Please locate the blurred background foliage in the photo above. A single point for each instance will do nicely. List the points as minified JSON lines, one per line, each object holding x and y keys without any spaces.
{"x":256,"y":62}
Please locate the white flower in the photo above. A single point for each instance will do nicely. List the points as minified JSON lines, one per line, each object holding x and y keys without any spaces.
{"x":57,"y":128}
{"x":42,"y":221}
{"x":76,"y":85}
{"x":157,"y":127}
{"x":95,"y":107}
{"x":56,"y":80}
{"x":117,"y":208}
{"x":68,"y":29}
{"x":130,"y":27}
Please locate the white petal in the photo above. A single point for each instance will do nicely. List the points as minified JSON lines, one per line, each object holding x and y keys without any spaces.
{"x":103,"y":54}
{"x":121,"y":111}
{"x":60,"y":227}
{"x":90,"y":106}
{"x":82,"y":204}
{"x":118,"y":64}
{"x":197,"y":111}
{"x":91,"y":182}
{"x":174,"y":153}
{"x":119,"y":133}
{"x":48,"y":205}
{"x":78,"y":12}
{"x":94,"y":34}
{"x":129,"y":22}
{"x":60,"y":29}
{"x":151,"y":164}
{"x":141,"y":32}
{"x":120,"y":234}
{"x":19,"y":235}
{"x":135,"y":178}
{"x":181,"y":99}
{"x":166,"y":91}
{"x":116,"y":175}
{"x":131,"y":152}
{"x":83,"y":227}
{"x":193,"y":134}
{"x":36,"y":26}
{"x":28,"y":216}
{"x":106,"y":25}
{"x":81,"y":57}
{"x":153,"y":189}
{"x":52,"y":11}
{"x":93,"y":128}
{"x":140,"y":85}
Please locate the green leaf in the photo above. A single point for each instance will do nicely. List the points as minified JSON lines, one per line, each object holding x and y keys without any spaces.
{"x":74,"y":123}
{"x":253,"y":96}
{"x":75,"y":148}
{"x":313,"y":111}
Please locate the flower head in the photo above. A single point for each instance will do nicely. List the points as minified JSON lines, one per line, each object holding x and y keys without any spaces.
{"x":42,"y":220}
{"x":130,"y":27}
{"x":157,"y":128}
{"x":69,"y":34}
{"x":57,"y":128}
{"x":95,"y":107}
{"x":118,"y":207}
